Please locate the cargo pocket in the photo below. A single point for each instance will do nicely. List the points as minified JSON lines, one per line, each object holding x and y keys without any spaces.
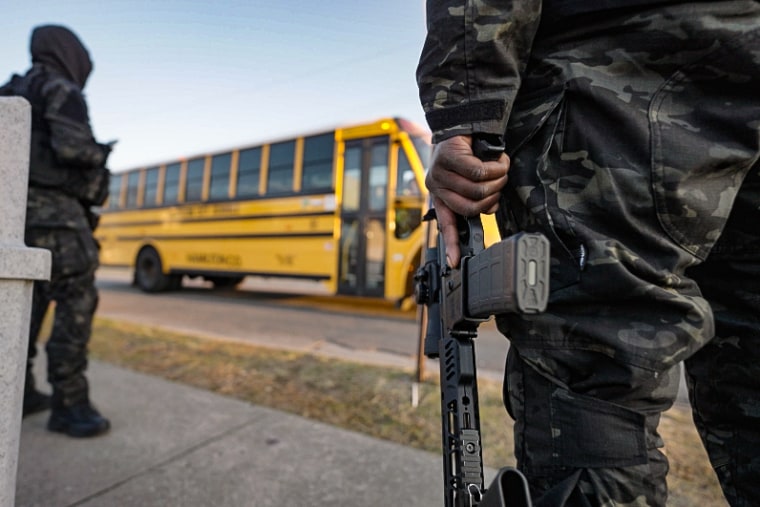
{"x":76,"y":253}
{"x":596,"y":434}
{"x":564,"y":429}
{"x":700,"y":155}
{"x":536,"y":134}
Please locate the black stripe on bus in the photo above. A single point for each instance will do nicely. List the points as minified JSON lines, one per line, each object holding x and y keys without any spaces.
{"x":217,"y":219}
{"x":233,"y":274}
{"x":167,"y":237}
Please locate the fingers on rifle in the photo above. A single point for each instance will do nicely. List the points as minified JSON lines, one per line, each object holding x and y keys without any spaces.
{"x":447,"y":224}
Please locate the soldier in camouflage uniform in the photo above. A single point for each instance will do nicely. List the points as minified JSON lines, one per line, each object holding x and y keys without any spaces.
{"x":63,"y":161}
{"x":632,"y":130}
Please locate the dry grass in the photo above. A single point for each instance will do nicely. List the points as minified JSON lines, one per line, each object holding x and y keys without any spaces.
{"x":368,"y":399}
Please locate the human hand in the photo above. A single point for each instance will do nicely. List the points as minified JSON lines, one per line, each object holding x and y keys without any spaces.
{"x":461,"y":183}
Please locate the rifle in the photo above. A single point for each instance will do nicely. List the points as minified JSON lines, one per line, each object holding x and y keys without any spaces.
{"x":509,"y":276}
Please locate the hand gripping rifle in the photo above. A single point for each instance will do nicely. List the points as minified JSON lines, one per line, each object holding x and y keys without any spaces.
{"x":509,"y":276}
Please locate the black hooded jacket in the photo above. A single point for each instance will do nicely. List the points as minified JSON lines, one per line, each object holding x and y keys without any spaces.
{"x":62,"y":140}
{"x":58,"y":49}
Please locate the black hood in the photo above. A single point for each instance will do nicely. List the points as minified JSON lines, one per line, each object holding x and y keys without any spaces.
{"x":60,"y":49}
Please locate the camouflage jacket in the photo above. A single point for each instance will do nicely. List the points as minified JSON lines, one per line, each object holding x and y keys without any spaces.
{"x":62,"y":139}
{"x":475,"y":51}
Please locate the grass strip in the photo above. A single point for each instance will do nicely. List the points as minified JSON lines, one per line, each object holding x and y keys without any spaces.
{"x":369,"y":399}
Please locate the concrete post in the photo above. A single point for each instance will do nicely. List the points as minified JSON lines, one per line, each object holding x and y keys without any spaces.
{"x":19,"y":267}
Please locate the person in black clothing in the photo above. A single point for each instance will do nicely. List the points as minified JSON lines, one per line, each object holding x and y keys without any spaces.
{"x":67,"y":176}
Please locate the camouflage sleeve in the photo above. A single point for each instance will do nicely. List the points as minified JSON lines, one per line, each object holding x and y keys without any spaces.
{"x":469,"y":70}
{"x":70,"y":133}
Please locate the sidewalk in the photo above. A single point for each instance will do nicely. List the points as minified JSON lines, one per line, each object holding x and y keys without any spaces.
{"x":173,"y":445}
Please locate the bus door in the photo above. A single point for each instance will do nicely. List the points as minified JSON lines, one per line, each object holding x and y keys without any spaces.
{"x":363,"y":217}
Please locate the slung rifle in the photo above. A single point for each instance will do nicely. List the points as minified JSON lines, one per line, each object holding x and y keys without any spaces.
{"x":509,"y":276}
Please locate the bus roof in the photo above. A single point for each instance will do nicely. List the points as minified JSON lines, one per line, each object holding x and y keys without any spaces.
{"x":410,"y":127}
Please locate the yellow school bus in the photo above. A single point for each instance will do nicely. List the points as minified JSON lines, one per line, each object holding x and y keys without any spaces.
{"x":343,"y":207}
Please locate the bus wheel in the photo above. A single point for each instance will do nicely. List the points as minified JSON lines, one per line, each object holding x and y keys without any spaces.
{"x":148,"y":272}
{"x":224,"y":282}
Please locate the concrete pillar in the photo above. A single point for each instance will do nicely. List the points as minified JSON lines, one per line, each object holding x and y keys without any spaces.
{"x":19,"y":267}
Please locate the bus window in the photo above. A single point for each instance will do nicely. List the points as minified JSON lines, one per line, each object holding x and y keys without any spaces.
{"x":424,"y":150}
{"x":151,"y":187}
{"x":280,"y":177}
{"x":249,"y":170}
{"x":171,"y":183}
{"x":349,"y":239}
{"x":114,"y":192}
{"x":317,"y":162}
{"x":352,"y":178}
{"x":375,"y":256}
{"x":219,"y":187}
{"x":378,"y":177}
{"x":374,"y":232}
{"x":407,"y":208}
{"x":194,"y":180}
{"x":133,"y":186}
{"x":406,"y":181}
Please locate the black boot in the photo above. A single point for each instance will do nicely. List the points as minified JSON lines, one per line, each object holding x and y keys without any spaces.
{"x":80,"y":420}
{"x":34,"y":400}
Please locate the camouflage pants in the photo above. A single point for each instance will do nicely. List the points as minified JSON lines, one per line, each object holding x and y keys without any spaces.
{"x":72,"y":287}
{"x":634,"y":143}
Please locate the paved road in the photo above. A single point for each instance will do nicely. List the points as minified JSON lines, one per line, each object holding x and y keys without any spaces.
{"x":276,"y":313}
{"x":272,"y":313}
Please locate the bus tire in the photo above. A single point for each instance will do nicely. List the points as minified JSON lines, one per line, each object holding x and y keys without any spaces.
{"x":149,"y":275}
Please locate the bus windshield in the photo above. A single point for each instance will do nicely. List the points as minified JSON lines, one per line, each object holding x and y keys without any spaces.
{"x":424,"y":150}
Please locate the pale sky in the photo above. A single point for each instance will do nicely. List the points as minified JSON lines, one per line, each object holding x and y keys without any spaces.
{"x":175,"y":78}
